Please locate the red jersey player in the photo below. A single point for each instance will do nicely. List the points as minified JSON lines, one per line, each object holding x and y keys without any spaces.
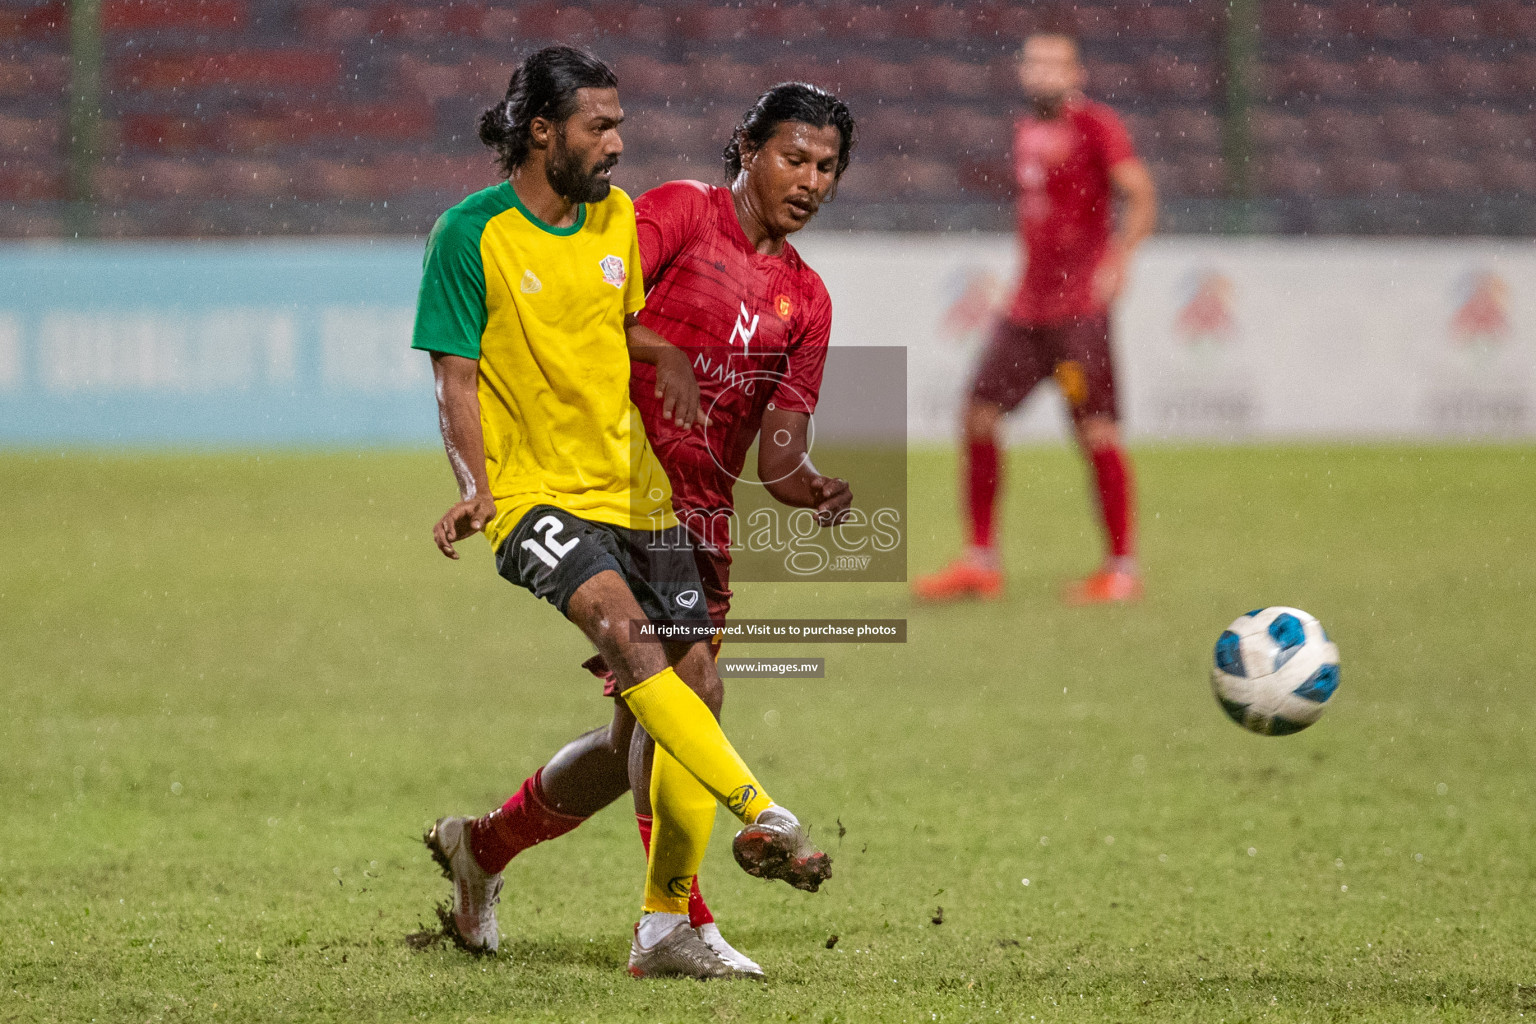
{"x":1072,"y":157}
{"x":726,"y":291}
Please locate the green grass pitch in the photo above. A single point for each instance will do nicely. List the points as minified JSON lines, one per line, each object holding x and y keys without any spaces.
{"x":236,"y":688}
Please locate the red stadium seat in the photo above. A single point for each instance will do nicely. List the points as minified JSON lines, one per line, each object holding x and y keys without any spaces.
{"x":982,"y":177}
{"x":1441,"y":22}
{"x":1111,"y":81}
{"x":164,"y":133}
{"x":36,"y":77}
{"x":892,"y":129}
{"x":1168,"y":176}
{"x":1484,"y":129}
{"x":1508,"y":19}
{"x":1276,"y":131}
{"x":27,"y":181}
{"x":1170,"y":23}
{"x":1342,"y":128}
{"x":272,"y":69}
{"x":30,"y":137}
{"x":1007,"y":23}
{"x":329,"y":24}
{"x":966,"y":131}
{"x":151,"y":179}
{"x":1170,"y":77}
{"x":1376,"y":20}
{"x":642,"y":77}
{"x":188,"y":15}
{"x":653,"y":25}
{"x":1188,"y":131}
{"x":800,"y":23}
{"x":1411,"y":130}
{"x":864,"y":22}
{"x":1506,"y":173}
{"x":725,"y":24}
{"x":1436,"y":175}
{"x":425,"y":80}
{"x":1202,"y":174}
{"x":729,"y":80}
{"x":306,"y":125}
{"x":1519,"y":73}
{"x":946,"y":23}
{"x":1350,"y":174}
{"x":430,"y":173}
{"x":1468,"y":77}
{"x":39,"y":21}
{"x":337,"y":179}
{"x":1298,"y":21}
{"x":1393,"y":78}
{"x":945,"y":77}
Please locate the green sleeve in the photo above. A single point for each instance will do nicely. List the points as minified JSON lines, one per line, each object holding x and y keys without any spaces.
{"x":450,"y":311}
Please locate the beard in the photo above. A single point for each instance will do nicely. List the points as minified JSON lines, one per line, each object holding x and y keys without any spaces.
{"x":570,"y":179}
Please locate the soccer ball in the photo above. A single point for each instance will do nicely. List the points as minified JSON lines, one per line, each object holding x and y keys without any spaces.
{"x":1275,"y":670}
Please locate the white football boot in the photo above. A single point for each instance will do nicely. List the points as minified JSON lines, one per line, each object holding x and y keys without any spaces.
{"x":742,"y":966}
{"x":472,"y":924}
{"x":678,"y":953}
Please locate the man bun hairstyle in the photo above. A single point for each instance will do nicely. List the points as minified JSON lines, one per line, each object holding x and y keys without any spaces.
{"x":543,"y":85}
{"x":790,"y":101}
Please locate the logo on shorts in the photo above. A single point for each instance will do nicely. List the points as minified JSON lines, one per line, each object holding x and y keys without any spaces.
{"x":687,"y":598}
{"x":613,"y":270}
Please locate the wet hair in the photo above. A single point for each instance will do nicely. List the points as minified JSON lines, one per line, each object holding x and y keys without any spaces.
{"x":790,"y":101}
{"x":544,"y":85}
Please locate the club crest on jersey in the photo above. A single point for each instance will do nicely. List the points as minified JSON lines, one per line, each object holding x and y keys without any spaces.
{"x":613,"y":270}
{"x":783,"y":307}
{"x":531,"y":283}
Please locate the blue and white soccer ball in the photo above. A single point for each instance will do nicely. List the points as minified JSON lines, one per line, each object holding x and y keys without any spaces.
{"x":1275,"y":670}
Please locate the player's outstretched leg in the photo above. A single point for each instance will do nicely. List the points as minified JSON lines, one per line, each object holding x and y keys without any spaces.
{"x":583,"y":777}
{"x":978,"y":572}
{"x":672,"y":708}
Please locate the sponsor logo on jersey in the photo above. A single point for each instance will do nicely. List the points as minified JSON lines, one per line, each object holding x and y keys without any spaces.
{"x":531,"y":283}
{"x":744,"y":329}
{"x":613,"y":270}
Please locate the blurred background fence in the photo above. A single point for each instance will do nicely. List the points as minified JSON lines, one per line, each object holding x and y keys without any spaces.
{"x":133,"y":118}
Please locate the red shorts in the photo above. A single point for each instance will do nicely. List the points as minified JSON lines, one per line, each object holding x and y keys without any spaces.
{"x":1076,"y":352}
{"x":715,"y":574}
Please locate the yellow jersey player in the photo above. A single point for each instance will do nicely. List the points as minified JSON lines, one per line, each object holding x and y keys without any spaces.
{"x":527,"y":304}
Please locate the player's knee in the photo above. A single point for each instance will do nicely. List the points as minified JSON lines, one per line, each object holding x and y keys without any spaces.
{"x":1097,"y":432}
{"x":697,"y":669}
{"x":981,"y":420}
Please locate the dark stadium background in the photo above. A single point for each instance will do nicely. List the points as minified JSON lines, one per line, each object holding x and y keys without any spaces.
{"x":143,"y":118}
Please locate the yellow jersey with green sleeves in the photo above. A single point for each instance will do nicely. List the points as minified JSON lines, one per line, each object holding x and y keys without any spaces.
{"x":542,"y":309}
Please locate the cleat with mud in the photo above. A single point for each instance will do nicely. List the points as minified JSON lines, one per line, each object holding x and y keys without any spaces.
{"x":470,"y":920}
{"x":776,"y":845}
{"x":681,"y":953}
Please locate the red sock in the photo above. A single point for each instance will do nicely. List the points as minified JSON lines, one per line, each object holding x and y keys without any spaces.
{"x":1112,"y":473}
{"x":698,"y":912}
{"x":982,"y":475}
{"x":521,"y":822}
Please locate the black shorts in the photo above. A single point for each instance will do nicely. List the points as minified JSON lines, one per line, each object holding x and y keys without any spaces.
{"x":552,"y":552}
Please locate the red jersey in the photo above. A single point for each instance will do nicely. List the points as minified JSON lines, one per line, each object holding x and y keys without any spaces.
{"x":1065,"y":208}
{"x":755,"y":328}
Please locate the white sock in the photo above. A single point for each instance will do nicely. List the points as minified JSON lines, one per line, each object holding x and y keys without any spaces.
{"x":656,"y":926}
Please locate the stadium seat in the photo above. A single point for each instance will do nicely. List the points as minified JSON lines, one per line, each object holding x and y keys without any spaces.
{"x":31,"y":180}
{"x":967,"y":131}
{"x":30,"y":137}
{"x":945,"y":23}
{"x":1441,"y":22}
{"x":164,"y":134}
{"x":1351,"y":174}
{"x":1483,"y":129}
{"x":946,"y":77}
{"x":896,"y":130}
{"x":1518,"y":71}
{"x":1376,"y":21}
{"x":327,"y":24}
{"x":724,"y":79}
{"x":646,"y":77}
{"x":1167,"y":175}
{"x":203,"y":16}
{"x":1409,"y":130}
{"x":1394,"y":78}
{"x":337,"y":179}
{"x":1297,"y":21}
{"x":157,"y":178}
{"x":1433,"y":174}
{"x":1467,"y":77}
{"x":1169,"y":23}
{"x":1342,"y":128}
{"x":33,"y":77}
{"x":1192,"y":131}
{"x":293,"y":69}
{"x":1112,"y":82}
{"x":1201,"y":174}
{"x":342,"y":124}
{"x":1276,"y":131}
{"x":1509,"y":173}
{"x":35,"y":22}
{"x":868,"y":23}
{"x":1508,"y":19}
{"x":1168,"y":76}
{"x":1308,"y":76}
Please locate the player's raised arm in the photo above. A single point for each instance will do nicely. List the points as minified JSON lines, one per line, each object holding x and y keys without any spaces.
{"x":456,"y":381}
{"x":784,"y":465}
{"x":676,"y":386}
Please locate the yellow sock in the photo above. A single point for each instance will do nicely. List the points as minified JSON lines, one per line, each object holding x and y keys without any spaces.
{"x":683,"y":815}
{"x":681,"y":724}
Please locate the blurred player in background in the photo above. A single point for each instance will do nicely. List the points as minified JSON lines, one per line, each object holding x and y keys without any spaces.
{"x":528,"y":301}
{"x":1072,"y":159}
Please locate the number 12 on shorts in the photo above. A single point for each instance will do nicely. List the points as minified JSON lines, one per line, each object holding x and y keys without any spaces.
{"x":552,"y":550}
